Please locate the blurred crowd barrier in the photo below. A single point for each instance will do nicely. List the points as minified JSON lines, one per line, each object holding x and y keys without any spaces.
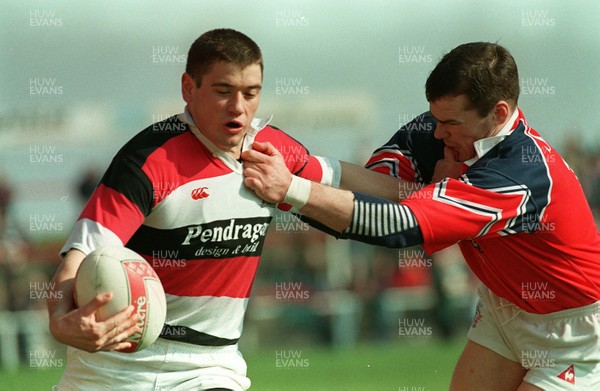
{"x":310,"y":287}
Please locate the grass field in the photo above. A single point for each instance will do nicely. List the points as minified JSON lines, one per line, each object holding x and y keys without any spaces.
{"x":394,"y":366}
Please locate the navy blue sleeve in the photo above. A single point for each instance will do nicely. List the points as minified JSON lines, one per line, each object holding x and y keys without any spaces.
{"x":383,"y":223}
{"x":415,"y":141}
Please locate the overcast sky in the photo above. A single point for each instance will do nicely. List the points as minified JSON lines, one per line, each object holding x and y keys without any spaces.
{"x":337,"y":73}
{"x":131,"y":55}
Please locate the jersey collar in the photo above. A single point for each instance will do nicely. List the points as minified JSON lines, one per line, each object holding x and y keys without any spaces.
{"x":484,"y":145}
{"x":256,"y":125}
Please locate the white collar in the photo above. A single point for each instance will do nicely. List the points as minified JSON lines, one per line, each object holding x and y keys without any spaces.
{"x":484,"y":145}
{"x":256,"y":125}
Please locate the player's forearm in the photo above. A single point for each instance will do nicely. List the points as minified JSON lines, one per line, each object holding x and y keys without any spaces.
{"x":362,"y":180}
{"x":329,"y":206}
{"x":363,"y":217}
{"x":357,"y":216}
{"x":62,"y":284}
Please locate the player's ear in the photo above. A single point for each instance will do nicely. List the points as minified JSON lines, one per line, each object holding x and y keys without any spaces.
{"x":188,"y":84}
{"x":501,"y":112}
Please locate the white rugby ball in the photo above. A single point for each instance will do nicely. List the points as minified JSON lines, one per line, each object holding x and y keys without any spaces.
{"x":132,"y":281}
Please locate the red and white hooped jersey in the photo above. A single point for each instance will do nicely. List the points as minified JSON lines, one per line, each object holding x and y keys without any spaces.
{"x":180,"y":202}
{"x":518,"y":214}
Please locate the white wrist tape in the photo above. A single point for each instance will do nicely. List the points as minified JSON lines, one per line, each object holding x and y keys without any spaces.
{"x":298,"y":193}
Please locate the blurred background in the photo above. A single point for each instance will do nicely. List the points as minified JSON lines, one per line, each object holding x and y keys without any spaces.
{"x":78,"y":80}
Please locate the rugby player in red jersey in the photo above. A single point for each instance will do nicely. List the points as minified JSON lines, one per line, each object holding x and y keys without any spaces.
{"x":515,"y":208}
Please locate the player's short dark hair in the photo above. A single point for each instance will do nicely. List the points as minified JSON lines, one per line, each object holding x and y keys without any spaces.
{"x":486,"y":72}
{"x":221,"y":45}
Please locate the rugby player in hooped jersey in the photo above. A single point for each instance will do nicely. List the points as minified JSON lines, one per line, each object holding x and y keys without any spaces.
{"x":514,"y":207}
{"x":175,"y":195}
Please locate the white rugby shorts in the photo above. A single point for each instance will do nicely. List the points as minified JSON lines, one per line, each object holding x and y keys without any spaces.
{"x":164,"y":365}
{"x":560,"y":350}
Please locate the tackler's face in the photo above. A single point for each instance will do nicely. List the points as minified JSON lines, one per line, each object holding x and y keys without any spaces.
{"x":460,"y":125}
{"x":224,"y":104}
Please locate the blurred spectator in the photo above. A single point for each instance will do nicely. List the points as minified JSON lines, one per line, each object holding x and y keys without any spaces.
{"x":14,"y":251}
{"x":594,"y":187}
{"x":87,"y":184}
{"x":5,"y":196}
{"x":455,"y":288}
{"x":373,"y":271}
{"x":574,"y":154}
{"x":586,"y":166}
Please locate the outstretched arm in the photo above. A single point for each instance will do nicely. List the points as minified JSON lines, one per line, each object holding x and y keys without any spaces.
{"x":363,"y":180}
{"x":365,"y":218}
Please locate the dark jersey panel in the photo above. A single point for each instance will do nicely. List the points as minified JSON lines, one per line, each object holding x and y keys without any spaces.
{"x":125,"y":173}
{"x":416,"y":142}
{"x":516,"y":162}
{"x":215,"y":240}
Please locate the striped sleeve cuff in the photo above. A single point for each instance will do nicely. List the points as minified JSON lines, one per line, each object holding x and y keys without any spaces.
{"x":382,"y":222}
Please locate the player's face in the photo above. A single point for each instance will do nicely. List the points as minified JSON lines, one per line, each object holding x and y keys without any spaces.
{"x":460,"y":127}
{"x":225,"y":103}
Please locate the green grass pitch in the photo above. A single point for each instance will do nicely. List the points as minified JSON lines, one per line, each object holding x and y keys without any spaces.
{"x":393,"y":366}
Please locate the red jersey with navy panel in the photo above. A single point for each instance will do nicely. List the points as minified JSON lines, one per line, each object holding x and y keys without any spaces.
{"x":411,"y":153}
{"x":518,"y":214}
{"x":177,"y":200}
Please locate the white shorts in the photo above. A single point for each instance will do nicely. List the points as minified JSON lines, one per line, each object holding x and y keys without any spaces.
{"x":560,"y":350}
{"x":165,"y":365}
